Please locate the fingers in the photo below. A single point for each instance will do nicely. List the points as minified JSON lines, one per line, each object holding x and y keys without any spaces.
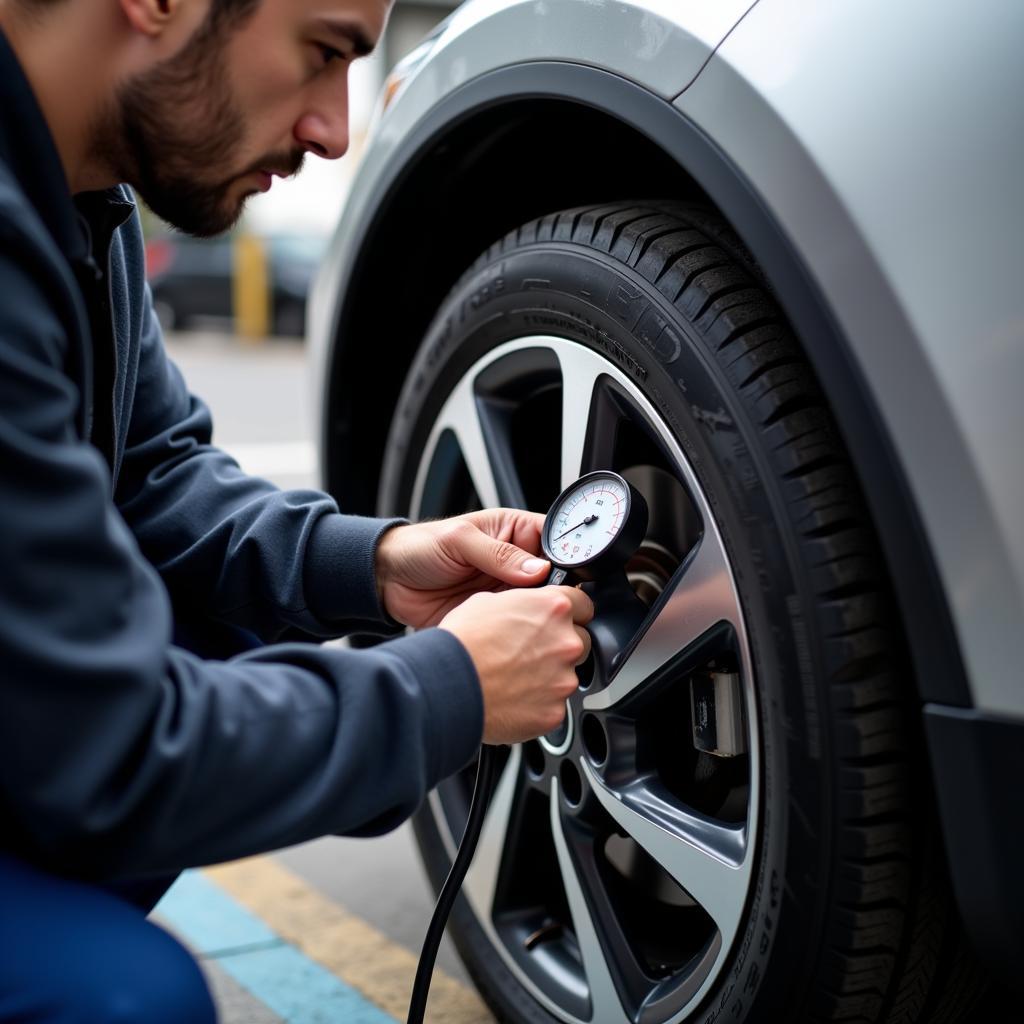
{"x":585,"y":638}
{"x":515,"y":524}
{"x":582,"y":606}
{"x":501,"y":559}
{"x":582,"y":611}
{"x":524,"y":644}
{"x":526,"y":529}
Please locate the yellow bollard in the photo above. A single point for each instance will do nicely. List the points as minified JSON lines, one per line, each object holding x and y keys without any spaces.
{"x":251,"y":289}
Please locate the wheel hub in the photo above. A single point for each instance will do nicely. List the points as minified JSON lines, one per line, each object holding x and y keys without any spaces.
{"x":559,"y":740}
{"x":559,"y":768}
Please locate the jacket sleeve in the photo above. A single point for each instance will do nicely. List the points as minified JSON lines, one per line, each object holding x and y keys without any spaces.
{"x":230,"y":546}
{"x":121,"y":755}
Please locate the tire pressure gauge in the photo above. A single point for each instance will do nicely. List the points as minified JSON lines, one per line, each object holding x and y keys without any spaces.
{"x":593,"y":528}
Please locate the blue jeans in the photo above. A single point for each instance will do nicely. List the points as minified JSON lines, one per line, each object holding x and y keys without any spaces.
{"x":74,"y":953}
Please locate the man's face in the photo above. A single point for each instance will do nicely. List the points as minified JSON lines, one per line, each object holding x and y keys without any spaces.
{"x":202,"y":131}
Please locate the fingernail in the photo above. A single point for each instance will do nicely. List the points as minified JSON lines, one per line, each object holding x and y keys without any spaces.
{"x":532,"y":565}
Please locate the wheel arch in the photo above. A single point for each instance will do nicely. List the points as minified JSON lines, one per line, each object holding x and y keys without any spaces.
{"x":487,"y":158}
{"x":471,"y":171}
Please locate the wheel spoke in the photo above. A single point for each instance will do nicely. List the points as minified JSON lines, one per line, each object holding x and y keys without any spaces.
{"x":705,"y":857}
{"x":461,"y":415}
{"x":481,"y":881}
{"x":581,"y":370}
{"x":463,"y":419}
{"x":701,"y":597}
{"x":604,"y":998}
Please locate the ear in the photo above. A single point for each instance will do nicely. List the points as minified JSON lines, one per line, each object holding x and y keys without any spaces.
{"x":155,"y":17}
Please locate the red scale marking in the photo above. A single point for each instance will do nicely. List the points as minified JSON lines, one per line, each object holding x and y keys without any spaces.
{"x":618,"y":513}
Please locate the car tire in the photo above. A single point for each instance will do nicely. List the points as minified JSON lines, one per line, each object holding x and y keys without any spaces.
{"x":650,"y":324}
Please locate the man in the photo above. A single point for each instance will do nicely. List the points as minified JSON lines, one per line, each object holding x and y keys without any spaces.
{"x":124,"y":756}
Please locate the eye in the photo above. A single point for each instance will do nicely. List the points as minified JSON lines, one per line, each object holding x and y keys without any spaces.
{"x":330,"y":54}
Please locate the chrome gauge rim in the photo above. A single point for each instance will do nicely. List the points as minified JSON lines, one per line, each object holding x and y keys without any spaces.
{"x":616,"y":861}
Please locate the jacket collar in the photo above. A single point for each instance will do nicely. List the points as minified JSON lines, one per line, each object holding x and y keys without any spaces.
{"x":28,"y":149}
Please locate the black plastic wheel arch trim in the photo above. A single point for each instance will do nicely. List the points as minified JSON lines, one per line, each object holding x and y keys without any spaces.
{"x":978,"y":768}
{"x":938,"y":666}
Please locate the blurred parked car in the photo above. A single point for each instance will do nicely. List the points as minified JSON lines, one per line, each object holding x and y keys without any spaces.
{"x":194,"y":278}
{"x":764,"y":261}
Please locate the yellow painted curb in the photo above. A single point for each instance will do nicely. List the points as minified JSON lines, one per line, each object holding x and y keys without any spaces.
{"x":345,"y":944}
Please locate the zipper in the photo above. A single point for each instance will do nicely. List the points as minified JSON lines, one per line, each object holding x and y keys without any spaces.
{"x":112,"y":340}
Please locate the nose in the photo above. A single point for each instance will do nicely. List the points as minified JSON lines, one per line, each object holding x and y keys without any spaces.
{"x":324,"y":131}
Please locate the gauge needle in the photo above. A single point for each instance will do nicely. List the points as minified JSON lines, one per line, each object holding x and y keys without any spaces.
{"x":586,"y":522}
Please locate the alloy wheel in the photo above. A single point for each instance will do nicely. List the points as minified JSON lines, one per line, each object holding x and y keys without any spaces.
{"x":618,"y":853}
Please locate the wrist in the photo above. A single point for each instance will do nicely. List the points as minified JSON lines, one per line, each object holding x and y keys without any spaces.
{"x":339,"y":571}
{"x":383,"y":564}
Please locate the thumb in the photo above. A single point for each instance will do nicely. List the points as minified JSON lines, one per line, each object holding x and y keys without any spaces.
{"x":502,"y":559}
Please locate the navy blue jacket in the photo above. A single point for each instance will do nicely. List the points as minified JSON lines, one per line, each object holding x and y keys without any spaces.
{"x":121,"y":754}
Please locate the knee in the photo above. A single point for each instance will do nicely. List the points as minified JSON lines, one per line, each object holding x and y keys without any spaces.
{"x":154,"y":982}
{"x":75,"y":954}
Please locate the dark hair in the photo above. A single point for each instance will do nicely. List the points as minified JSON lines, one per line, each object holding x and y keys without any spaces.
{"x":222,"y":13}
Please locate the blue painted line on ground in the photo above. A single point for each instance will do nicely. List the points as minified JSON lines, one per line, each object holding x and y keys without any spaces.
{"x":284,"y":979}
{"x":209,"y":918}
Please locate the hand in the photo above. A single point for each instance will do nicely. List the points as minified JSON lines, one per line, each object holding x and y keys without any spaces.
{"x":524,"y":644}
{"x":426,"y":569}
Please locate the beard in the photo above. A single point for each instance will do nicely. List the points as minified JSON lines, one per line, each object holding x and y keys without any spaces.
{"x":173,"y":129}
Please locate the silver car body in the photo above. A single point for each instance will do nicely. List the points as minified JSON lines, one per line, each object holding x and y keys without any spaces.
{"x":898,"y":180}
{"x":883,"y":144}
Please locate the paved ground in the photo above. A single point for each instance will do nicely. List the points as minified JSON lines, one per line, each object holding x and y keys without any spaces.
{"x":370,"y":892}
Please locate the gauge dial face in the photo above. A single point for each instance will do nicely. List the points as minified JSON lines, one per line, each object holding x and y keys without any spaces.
{"x":587,"y":519}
